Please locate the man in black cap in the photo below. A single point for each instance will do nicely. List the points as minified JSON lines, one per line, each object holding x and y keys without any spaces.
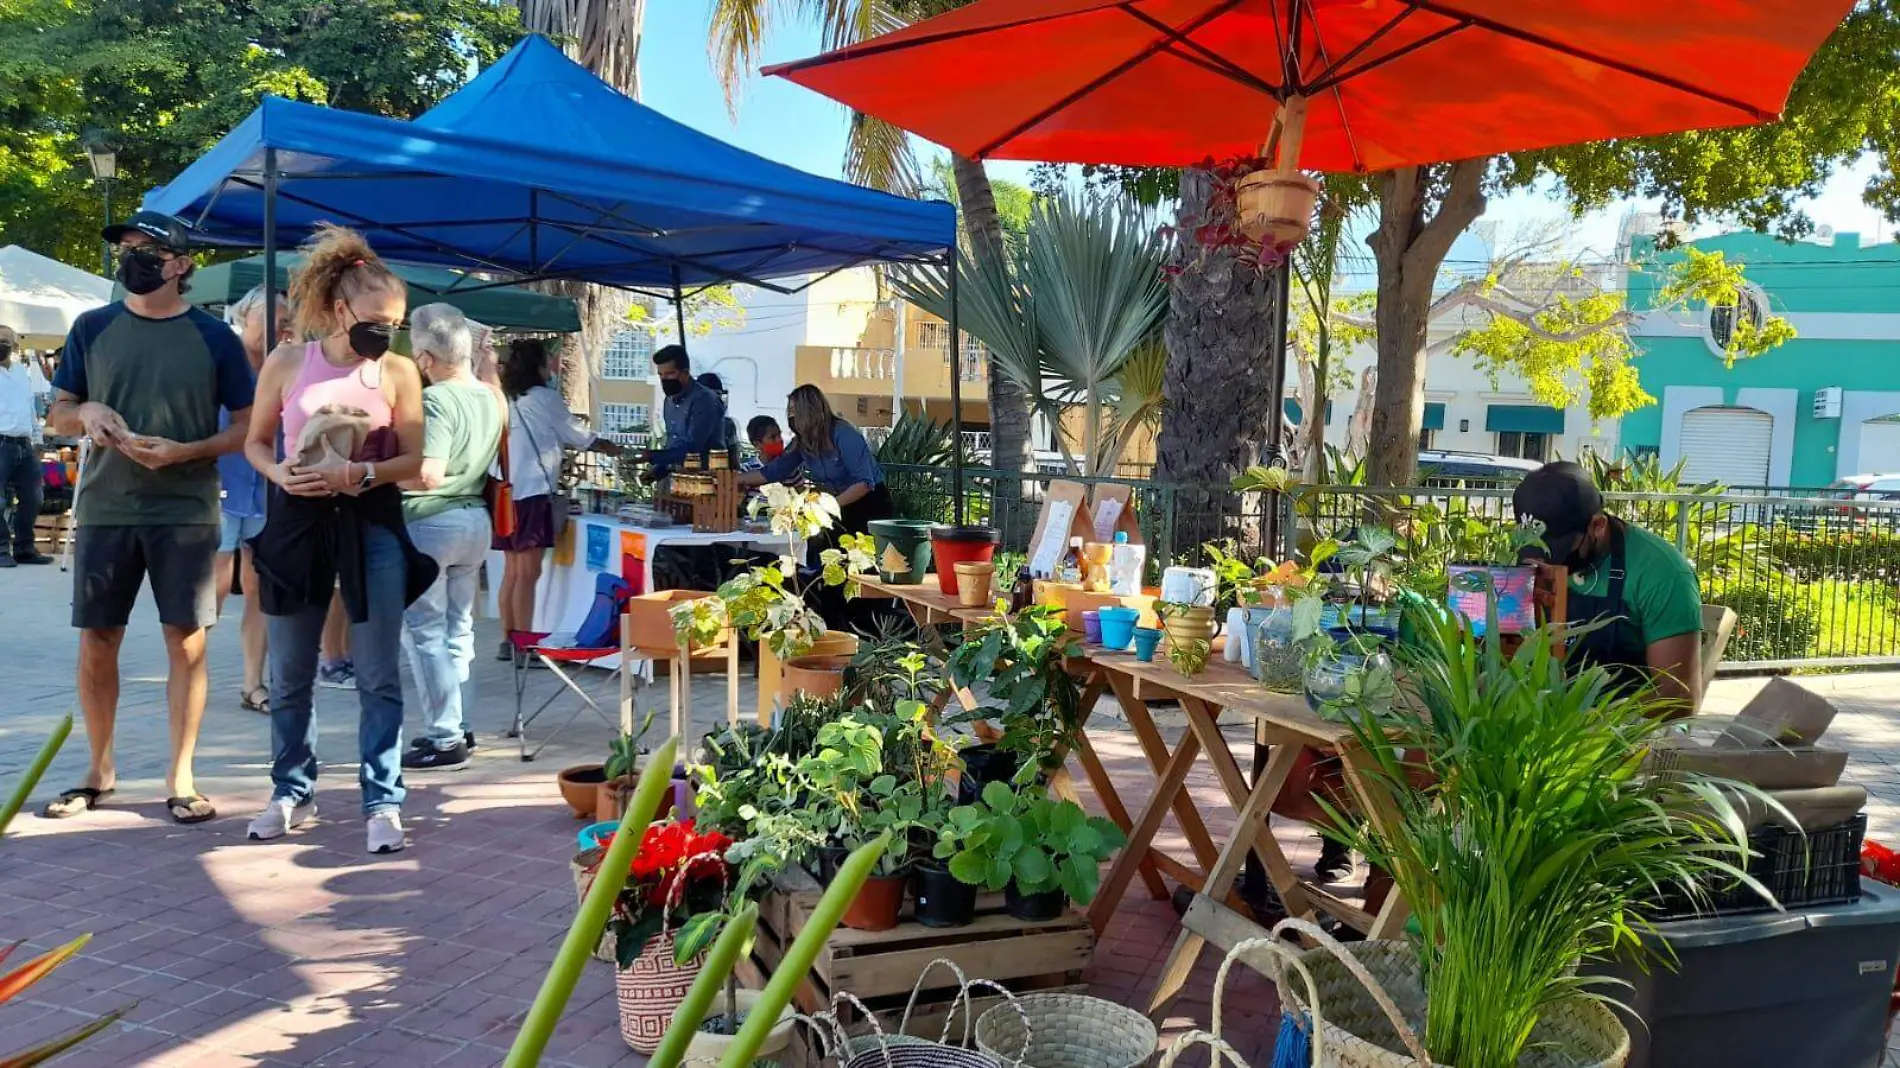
{"x":1621,"y":573}
{"x":145,"y":378}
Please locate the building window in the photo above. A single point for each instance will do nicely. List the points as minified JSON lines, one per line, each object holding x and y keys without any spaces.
{"x":1723,"y":317}
{"x":976,"y":360}
{"x":623,"y":418}
{"x":1525,"y":445}
{"x":1427,"y":438}
{"x":933,"y":336}
{"x":628,"y":358}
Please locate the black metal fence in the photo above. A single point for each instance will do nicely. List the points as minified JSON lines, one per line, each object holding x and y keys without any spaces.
{"x":1814,"y":578}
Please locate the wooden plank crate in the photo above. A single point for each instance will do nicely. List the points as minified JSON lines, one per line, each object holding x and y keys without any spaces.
{"x":881,"y":967}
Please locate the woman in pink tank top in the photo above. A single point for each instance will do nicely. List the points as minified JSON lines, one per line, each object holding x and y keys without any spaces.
{"x":337,"y":523}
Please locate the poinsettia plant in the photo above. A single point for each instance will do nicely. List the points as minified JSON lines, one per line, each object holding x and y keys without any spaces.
{"x":677,"y":874}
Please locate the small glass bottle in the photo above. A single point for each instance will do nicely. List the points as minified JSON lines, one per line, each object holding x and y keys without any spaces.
{"x":1023,"y":593}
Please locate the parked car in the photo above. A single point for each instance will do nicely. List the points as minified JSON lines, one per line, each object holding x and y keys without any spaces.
{"x":1864,"y":499}
{"x":1437,"y":467}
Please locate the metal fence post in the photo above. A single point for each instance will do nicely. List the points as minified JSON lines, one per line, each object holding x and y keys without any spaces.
{"x":1682,"y":527}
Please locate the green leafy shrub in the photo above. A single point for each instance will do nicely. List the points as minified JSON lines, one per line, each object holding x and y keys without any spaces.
{"x":1774,"y":620}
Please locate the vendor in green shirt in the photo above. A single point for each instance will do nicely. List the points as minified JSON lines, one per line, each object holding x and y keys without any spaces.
{"x":1623,"y":574}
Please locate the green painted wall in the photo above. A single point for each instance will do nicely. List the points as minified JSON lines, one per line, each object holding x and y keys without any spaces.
{"x":1799,"y":279}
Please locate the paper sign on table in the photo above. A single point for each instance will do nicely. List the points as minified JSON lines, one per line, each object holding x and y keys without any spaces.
{"x":597,"y":546}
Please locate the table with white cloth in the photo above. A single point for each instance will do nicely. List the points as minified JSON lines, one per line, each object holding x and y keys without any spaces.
{"x":591,"y":544}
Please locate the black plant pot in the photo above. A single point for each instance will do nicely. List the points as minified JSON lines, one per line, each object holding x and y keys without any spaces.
{"x":1035,"y":908}
{"x":982,"y":765}
{"x":828,"y":858}
{"x":943,"y":900}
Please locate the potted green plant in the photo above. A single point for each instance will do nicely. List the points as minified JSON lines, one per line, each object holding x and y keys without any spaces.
{"x":677,"y":873}
{"x":1022,"y":659}
{"x":1040,"y":852}
{"x":1527,"y":838}
{"x":625,"y":757}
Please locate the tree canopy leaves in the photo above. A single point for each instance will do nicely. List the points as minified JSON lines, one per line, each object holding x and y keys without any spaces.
{"x":163,"y":80}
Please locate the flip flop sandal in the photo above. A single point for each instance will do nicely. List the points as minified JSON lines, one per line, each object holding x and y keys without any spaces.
{"x":197,"y":809}
{"x":251,"y":702}
{"x":73,"y":802}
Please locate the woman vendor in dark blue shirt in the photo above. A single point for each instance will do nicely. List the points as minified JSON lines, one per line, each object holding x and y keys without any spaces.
{"x":833,"y":454}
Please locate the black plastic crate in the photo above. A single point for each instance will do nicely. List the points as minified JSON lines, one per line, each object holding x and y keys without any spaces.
{"x":1820,"y":868}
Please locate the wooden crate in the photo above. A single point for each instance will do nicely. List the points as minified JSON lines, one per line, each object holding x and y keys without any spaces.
{"x":881,"y":967}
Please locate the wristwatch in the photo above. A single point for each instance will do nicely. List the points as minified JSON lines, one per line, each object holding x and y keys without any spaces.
{"x":369,"y":478}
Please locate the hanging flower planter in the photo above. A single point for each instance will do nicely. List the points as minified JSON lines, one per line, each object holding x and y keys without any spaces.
{"x":1275,"y":207}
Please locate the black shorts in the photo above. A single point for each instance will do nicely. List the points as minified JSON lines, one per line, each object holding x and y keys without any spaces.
{"x":534,"y":525}
{"x":111,"y":563}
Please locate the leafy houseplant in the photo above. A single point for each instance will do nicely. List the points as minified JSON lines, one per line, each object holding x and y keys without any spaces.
{"x":1039,"y":850}
{"x":1023,"y":659}
{"x":771,"y":603}
{"x":625,"y":755}
{"x":1526,"y":838}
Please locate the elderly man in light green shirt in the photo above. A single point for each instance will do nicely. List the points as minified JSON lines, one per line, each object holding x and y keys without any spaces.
{"x":463,"y":417}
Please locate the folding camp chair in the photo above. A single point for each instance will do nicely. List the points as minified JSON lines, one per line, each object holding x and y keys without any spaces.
{"x":598,"y":640}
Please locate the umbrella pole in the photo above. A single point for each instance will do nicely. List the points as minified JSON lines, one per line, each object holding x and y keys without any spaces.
{"x":270,"y":249}
{"x":956,"y":387}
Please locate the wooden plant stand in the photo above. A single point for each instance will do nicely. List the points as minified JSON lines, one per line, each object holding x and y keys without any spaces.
{"x":881,"y":967}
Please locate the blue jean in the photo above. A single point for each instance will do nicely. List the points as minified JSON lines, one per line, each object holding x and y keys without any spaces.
{"x":438,"y":630}
{"x":294,"y":640}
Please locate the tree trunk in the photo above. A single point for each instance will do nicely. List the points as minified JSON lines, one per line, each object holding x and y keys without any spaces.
{"x":1216,"y":386}
{"x":1009,"y":404}
{"x":1409,"y":247}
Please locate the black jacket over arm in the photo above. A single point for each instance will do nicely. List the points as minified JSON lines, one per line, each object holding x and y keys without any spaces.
{"x":311,"y":545}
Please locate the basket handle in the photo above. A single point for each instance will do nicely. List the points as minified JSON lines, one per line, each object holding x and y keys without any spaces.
{"x":1222,"y":1051}
{"x":843,"y":999}
{"x":1324,"y":941}
{"x":962,"y":1000}
{"x":1016,"y":1005}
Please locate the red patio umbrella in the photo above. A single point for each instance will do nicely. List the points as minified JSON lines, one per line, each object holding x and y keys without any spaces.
{"x":1386,"y":83}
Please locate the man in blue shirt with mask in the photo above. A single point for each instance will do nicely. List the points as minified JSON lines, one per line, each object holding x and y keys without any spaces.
{"x":694,"y":416}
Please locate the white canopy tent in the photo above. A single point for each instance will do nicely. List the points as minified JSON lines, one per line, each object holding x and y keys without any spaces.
{"x":40,"y":297}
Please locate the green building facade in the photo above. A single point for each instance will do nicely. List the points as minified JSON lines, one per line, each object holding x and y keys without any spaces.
{"x":1822,"y":406}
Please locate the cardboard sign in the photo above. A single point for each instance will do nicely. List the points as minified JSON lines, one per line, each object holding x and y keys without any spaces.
{"x":1112,"y":511}
{"x":1783,"y":713}
{"x":1063,"y":516}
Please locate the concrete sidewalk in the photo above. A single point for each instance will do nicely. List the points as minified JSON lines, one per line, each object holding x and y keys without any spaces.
{"x":310,"y":951}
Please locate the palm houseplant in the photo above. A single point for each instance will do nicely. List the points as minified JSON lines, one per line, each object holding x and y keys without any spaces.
{"x":1527,"y":839}
{"x":1042,"y":853}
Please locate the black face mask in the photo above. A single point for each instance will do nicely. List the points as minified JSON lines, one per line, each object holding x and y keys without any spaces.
{"x":6,"y":351}
{"x":371,"y":340}
{"x":141,"y":273}
{"x":671,"y":386}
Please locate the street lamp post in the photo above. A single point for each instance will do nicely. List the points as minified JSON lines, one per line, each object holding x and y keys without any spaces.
{"x":105,"y":169}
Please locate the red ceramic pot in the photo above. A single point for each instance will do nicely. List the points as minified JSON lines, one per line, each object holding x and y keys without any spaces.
{"x":952,"y":545}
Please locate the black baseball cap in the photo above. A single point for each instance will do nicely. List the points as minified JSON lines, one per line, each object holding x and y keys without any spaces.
{"x":164,"y":230}
{"x":1562,"y":497}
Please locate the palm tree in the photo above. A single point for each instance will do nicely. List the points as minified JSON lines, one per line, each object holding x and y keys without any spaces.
{"x":879,"y":155}
{"x":603,"y":36}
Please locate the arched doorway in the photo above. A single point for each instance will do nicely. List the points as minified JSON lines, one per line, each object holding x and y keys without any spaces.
{"x":1729,"y":445}
{"x":1880,"y":446}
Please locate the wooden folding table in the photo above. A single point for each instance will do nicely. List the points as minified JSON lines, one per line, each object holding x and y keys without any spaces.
{"x":1287,"y":723}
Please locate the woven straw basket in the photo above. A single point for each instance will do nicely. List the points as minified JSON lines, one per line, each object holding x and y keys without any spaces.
{"x":583,"y":881}
{"x":1067,"y":1031}
{"x":1366,"y":1006}
{"x":904,"y":1050}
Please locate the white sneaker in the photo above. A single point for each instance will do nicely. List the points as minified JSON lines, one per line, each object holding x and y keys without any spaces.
{"x":385,"y":831}
{"x":280,"y":817}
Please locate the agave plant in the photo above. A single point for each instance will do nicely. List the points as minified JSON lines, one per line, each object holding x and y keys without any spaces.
{"x":1527,"y":838}
{"x":19,"y":979}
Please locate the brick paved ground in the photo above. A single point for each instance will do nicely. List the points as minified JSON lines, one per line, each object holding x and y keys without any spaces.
{"x":309,"y":951}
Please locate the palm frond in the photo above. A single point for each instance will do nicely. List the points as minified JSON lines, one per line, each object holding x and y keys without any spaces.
{"x":1137,"y":404}
{"x":879,"y":155}
{"x":734,"y":43}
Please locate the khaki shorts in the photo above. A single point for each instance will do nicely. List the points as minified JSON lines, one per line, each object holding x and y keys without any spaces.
{"x":111,"y":563}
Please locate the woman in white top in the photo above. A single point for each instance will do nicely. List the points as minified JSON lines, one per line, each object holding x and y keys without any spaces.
{"x":539,"y":428}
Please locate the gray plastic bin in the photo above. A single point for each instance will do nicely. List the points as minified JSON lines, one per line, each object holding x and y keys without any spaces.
{"x":1802,"y":989}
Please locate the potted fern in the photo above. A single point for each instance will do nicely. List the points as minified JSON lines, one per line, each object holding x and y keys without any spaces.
{"x":1525,"y":838}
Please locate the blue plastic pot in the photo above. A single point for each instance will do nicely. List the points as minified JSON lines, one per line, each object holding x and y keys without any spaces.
{"x":591,"y":834}
{"x":1147,"y":640}
{"x":1118,"y":627}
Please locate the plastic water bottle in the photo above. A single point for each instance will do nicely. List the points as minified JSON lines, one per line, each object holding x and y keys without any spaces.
{"x":1126,"y":562}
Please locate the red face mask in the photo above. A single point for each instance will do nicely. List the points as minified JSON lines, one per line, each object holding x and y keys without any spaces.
{"x":772,"y":450}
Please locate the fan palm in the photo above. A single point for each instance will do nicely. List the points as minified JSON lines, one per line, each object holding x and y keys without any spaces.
{"x":1063,"y":317}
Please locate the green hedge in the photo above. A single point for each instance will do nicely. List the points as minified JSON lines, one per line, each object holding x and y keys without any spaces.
{"x":1852,"y":555}
{"x":1773,"y":622}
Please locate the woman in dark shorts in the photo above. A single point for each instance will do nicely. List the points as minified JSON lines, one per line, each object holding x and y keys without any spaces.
{"x":539,"y":428}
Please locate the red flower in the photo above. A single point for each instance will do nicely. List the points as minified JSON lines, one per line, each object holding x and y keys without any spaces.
{"x":669,"y":851}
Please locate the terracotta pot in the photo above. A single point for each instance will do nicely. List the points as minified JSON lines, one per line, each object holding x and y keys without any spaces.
{"x":818,"y":676}
{"x":651,"y":991}
{"x":1275,"y":207}
{"x":951,"y":545}
{"x":610,"y":798}
{"x":877,"y":905}
{"x":579,"y":786}
{"x":974,"y":581}
{"x":772,"y":670}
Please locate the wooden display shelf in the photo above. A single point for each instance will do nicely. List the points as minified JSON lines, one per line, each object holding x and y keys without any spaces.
{"x":881,"y":967}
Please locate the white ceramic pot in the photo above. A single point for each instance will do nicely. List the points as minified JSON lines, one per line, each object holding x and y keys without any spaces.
{"x":713,"y":1047}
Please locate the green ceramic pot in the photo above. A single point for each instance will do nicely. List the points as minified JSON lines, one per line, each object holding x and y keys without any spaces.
{"x":903,"y":550}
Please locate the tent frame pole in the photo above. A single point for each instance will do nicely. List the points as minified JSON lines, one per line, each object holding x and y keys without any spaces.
{"x":270,"y":249}
{"x":956,"y":383}
{"x":679,"y":306}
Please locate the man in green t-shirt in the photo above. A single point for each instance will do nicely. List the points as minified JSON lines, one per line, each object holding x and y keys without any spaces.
{"x":145,"y":379}
{"x":1625,"y":574}
{"x":462,"y":420}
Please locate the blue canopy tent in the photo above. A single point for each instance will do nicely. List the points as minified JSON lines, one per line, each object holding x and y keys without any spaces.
{"x":539,"y":170}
